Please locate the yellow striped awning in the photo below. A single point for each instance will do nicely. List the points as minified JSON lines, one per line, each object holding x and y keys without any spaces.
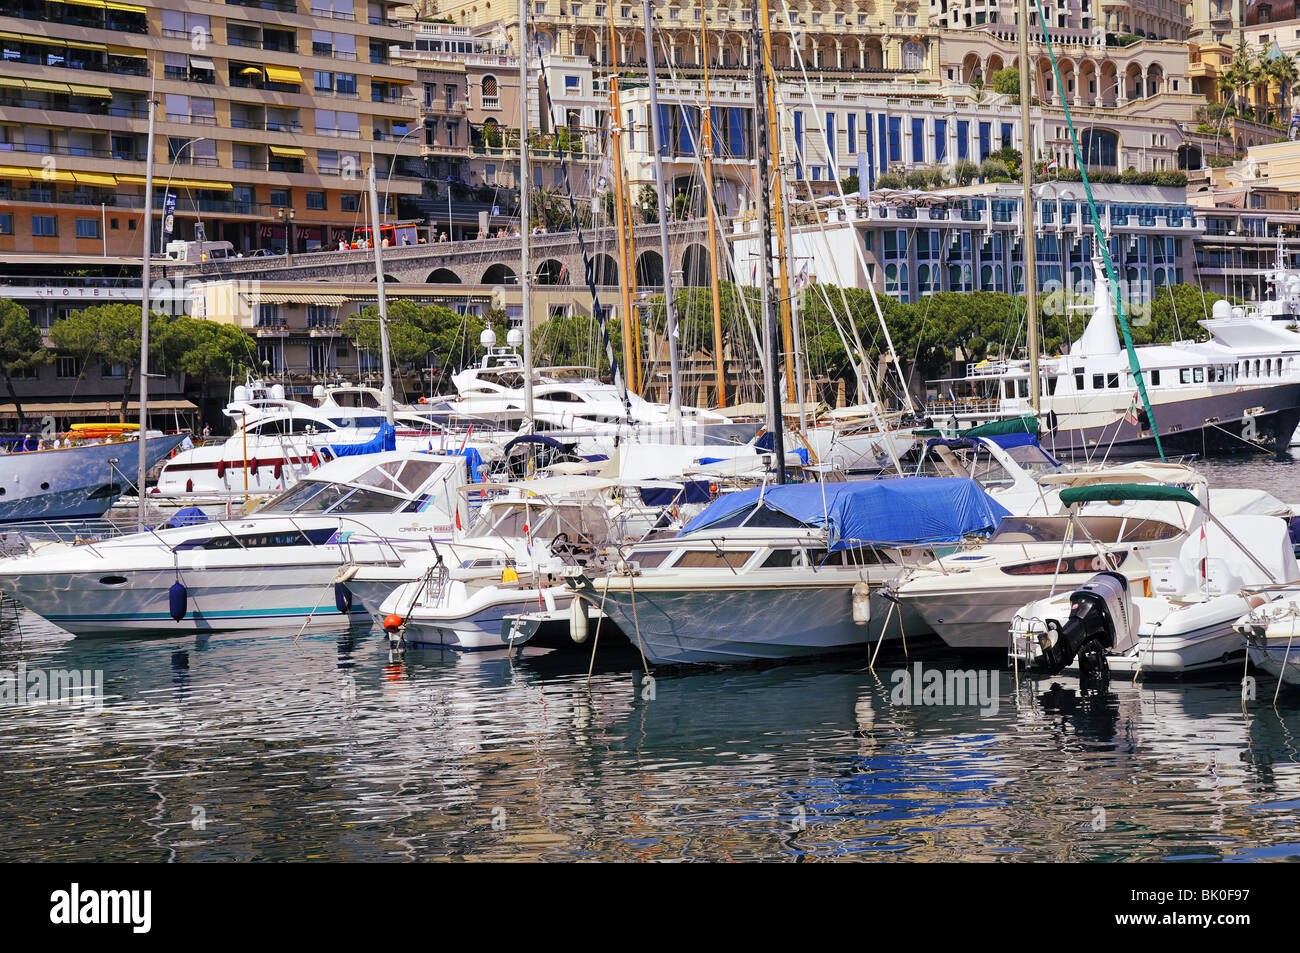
{"x":125,"y":7}
{"x":53,"y":175}
{"x":94,"y":178}
{"x":43,"y":40}
{"x":86,"y":3}
{"x":283,"y":74}
{"x":11,"y":82}
{"x":128,"y":51}
{"x":295,"y":151}
{"x":79,"y":45}
{"x":45,"y":86}
{"x":200,"y":184}
{"x":131,"y":180}
{"x":101,"y":92}
{"x":14,"y":172}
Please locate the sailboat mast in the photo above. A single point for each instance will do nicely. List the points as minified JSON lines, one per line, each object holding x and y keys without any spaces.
{"x":706,"y":145}
{"x":525,"y":297}
{"x":675,"y":403}
{"x":622,"y":214}
{"x":142,"y":439}
{"x":778,"y":204}
{"x":762,"y":134}
{"x":377,"y":242}
{"x":1029,"y":235}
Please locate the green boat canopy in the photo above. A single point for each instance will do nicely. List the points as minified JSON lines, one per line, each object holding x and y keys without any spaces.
{"x":1101,"y":492}
{"x":997,"y":428}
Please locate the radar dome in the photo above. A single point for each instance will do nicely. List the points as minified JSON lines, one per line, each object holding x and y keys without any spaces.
{"x":488,"y":338}
{"x":318,"y":392}
{"x":1222,"y":309}
{"x":515,"y":337}
{"x":241,"y":393}
{"x":1238,"y":313}
{"x":277,"y":391}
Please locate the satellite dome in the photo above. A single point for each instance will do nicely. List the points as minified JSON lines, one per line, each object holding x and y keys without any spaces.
{"x":241,"y":393}
{"x":277,"y":391}
{"x":1222,"y":309}
{"x":515,"y":337}
{"x":1238,"y":313}
{"x":488,"y":338}
{"x":318,"y":392}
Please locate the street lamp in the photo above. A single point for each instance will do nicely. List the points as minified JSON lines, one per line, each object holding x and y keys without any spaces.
{"x":287,"y":215}
{"x":171,"y":170}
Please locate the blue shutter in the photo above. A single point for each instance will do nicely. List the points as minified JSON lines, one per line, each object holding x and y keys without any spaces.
{"x":963,"y":139}
{"x":830,"y":146}
{"x":918,"y":140}
{"x":940,"y":140}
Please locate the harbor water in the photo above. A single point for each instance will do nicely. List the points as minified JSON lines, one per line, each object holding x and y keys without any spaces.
{"x":261,"y":746}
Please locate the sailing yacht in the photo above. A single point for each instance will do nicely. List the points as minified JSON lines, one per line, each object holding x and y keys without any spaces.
{"x":275,"y":568}
{"x":1239,"y":390}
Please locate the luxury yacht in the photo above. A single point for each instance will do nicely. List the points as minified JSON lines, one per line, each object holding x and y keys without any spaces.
{"x":275,"y":568}
{"x":786,"y":571}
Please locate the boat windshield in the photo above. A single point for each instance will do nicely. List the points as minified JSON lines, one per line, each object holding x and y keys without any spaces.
{"x":516,"y":519}
{"x":1106,"y":529}
{"x":313,"y":498}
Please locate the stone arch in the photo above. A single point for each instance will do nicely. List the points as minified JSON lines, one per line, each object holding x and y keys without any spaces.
{"x":1044,"y":84}
{"x":912,"y":54}
{"x":1088,"y":80}
{"x":552,"y":271}
{"x":442,"y":276}
{"x":993,"y":64}
{"x":873,"y":52}
{"x":388,"y":279}
{"x":1069,"y":80}
{"x":1107,"y":84}
{"x":499,"y":274}
{"x":696,"y":270}
{"x":852,"y":53}
{"x":733,"y":50}
{"x":649,"y":270}
{"x":971,"y":68}
{"x":1100,"y":148}
{"x":1134,"y":87}
{"x":1189,"y":156}
{"x":781,"y":51}
{"x":603,"y":269}
{"x":1155,"y":79}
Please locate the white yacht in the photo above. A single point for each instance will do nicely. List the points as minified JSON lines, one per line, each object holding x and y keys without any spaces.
{"x":1271,"y":629}
{"x":786,"y":571}
{"x":1238,"y":390}
{"x":1179,"y":617}
{"x":277,"y":568}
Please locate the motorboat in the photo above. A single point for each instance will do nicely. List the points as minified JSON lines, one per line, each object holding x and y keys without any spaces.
{"x":1270,"y":630}
{"x":510,"y":561}
{"x":276,"y":568}
{"x":780,"y":572}
{"x":1177,"y":618}
{"x":77,"y":481}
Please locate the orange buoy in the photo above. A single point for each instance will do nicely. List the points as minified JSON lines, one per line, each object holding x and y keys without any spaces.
{"x":393,"y":622}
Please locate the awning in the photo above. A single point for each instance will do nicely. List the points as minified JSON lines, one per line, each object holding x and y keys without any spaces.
{"x":54,"y":175}
{"x":296,"y":297}
{"x":43,"y":40}
{"x":45,"y":86}
{"x":128,"y":51}
{"x":202,"y":184}
{"x":102,"y":92}
{"x":393,"y":82}
{"x":202,"y":62}
{"x":10,"y":82}
{"x":14,"y":172}
{"x":17,"y":38}
{"x":79,"y":45}
{"x":125,"y":7}
{"x":283,"y":74}
{"x":107,"y":408}
{"x":94,"y":178}
{"x":86,"y":3}
{"x":295,"y":151}
{"x":130,"y":180}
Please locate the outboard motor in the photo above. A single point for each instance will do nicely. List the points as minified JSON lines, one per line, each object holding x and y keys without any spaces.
{"x":1102,"y":618}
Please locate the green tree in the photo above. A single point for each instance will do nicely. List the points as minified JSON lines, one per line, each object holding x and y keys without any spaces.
{"x":204,"y":349}
{"x":889,"y":180}
{"x":917,"y":179}
{"x":648,"y":200}
{"x":416,"y":333}
{"x":850,"y":183}
{"x":21,"y":347}
{"x":1006,"y":82}
{"x":1010,"y":157}
{"x":964,"y":171}
{"x":109,"y":333}
{"x":575,"y":339}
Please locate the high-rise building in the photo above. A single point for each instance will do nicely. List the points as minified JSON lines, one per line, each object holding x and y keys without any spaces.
{"x":268,"y":115}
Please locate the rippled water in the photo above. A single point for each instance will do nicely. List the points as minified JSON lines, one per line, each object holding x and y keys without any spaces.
{"x":260,"y":747}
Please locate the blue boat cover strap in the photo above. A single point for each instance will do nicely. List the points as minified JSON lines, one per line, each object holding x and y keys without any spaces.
{"x":894,"y":512}
{"x":386,"y":439}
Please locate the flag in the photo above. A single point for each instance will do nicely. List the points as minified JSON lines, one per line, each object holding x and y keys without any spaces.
{"x":1054,"y":164}
{"x":1131,"y":414}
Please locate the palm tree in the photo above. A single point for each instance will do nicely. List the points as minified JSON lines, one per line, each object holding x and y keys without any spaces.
{"x":1241,"y":74}
{"x":1281,"y":70}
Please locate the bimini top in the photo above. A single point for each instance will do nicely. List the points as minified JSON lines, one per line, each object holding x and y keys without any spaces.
{"x":1105,"y":492}
{"x":897,"y":512}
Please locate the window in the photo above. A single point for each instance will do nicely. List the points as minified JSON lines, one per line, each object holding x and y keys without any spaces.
{"x":1155,"y":378}
{"x":572,"y":84}
{"x":490,"y":94}
{"x":44,"y":226}
{"x":348,"y":202}
{"x":66,"y":367}
{"x":1185,"y":375}
{"x":7,"y":223}
{"x":280,"y":198}
{"x":87,"y":228}
{"x":1198,"y":375}
{"x":316,"y":200}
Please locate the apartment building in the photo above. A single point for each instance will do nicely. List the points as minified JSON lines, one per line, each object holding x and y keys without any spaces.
{"x":268,"y":114}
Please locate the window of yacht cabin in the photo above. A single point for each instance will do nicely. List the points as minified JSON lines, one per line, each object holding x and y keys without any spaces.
{"x":713,"y":559}
{"x":1185,"y":375}
{"x":783,"y":558}
{"x":1155,"y":378}
{"x":368,"y":501}
{"x":1078,"y":380}
{"x":302,"y":498}
{"x":1198,"y":375}
{"x":1098,"y":381}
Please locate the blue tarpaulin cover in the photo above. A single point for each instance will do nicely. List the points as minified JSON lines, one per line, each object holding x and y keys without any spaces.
{"x":902,"y":511}
{"x":473,"y":460}
{"x":187,"y":516}
{"x":386,"y":439}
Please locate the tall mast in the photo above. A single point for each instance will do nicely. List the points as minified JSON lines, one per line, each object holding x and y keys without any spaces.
{"x":525,"y":185}
{"x":761,"y":137}
{"x":778,"y":201}
{"x":706,"y":147}
{"x":377,"y":241}
{"x":626,"y":264}
{"x":675,"y":404}
{"x":1029,"y":238}
{"x":142,"y":440}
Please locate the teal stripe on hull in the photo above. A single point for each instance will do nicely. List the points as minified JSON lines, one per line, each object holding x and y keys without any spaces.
{"x":200,"y":616}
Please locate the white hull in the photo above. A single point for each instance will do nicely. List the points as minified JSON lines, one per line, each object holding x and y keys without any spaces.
{"x":470,"y":622}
